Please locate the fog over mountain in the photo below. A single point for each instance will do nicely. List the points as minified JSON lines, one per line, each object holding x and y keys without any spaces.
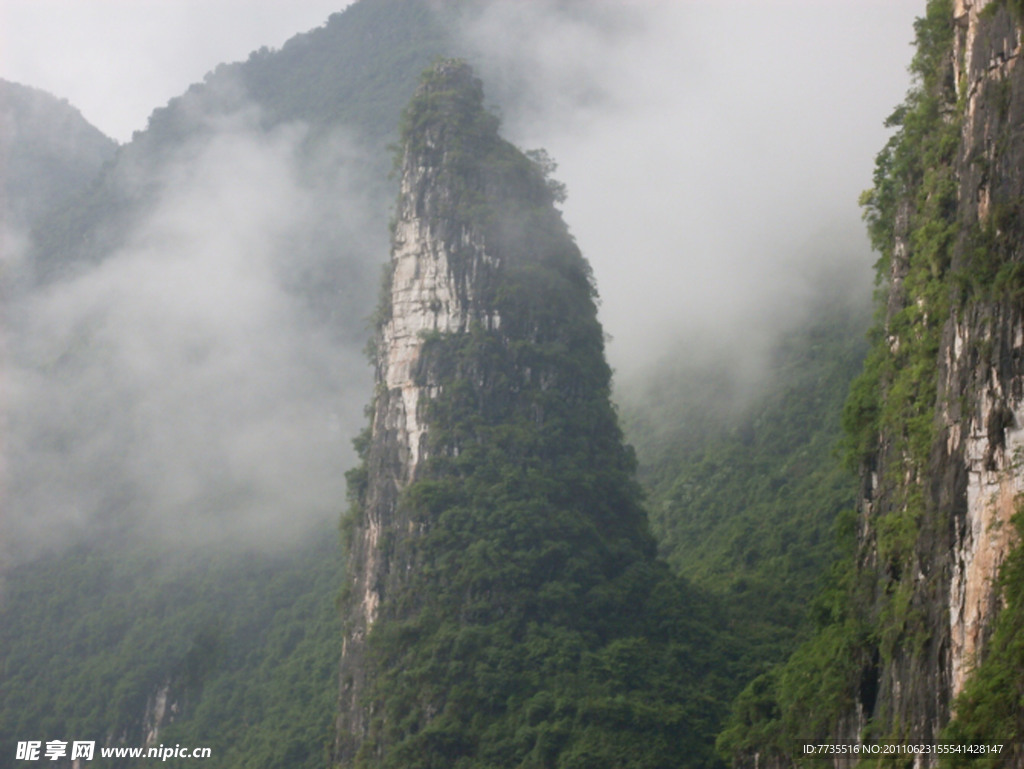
{"x":191,"y":381}
{"x":187,"y":387}
{"x":713,"y":152}
{"x":187,"y":352}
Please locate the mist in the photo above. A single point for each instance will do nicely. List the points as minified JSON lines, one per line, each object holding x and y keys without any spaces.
{"x":202,"y":383}
{"x":194,"y":387}
{"x":714,"y":154}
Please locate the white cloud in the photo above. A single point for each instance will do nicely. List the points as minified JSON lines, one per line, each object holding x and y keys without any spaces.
{"x":183,"y":385}
{"x":713,"y":152}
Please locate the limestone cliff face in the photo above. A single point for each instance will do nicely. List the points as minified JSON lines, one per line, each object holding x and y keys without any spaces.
{"x":914,"y":645}
{"x":936,"y":600}
{"x":983,"y":347}
{"x":438,"y":269}
{"x":504,"y":600}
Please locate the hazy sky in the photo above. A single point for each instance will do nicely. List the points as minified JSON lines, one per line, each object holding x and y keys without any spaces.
{"x":117,"y":60}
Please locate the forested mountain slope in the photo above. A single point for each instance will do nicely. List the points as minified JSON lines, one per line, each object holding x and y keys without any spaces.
{"x":167,"y":580}
{"x":744,"y":479}
{"x":235,"y":652}
{"x":222,"y":614}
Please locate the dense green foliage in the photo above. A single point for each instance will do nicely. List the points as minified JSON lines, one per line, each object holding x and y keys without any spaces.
{"x":744,"y":486}
{"x":245,"y":646}
{"x":534,"y":627}
{"x":802,"y":697}
{"x":538,"y":629}
{"x":248,"y":645}
{"x":897,"y":391}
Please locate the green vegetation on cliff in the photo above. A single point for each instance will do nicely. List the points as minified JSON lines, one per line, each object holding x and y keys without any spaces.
{"x":538,"y":628}
{"x":245,"y":646}
{"x":877,"y":667}
{"x":533,"y":626}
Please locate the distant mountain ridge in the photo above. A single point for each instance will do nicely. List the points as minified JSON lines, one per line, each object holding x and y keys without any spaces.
{"x":354,"y":73}
{"x":49,"y":153}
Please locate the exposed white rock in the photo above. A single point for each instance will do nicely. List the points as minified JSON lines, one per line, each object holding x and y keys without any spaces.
{"x":995,"y":483}
{"x":425,"y":296}
{"x":160,"y":711}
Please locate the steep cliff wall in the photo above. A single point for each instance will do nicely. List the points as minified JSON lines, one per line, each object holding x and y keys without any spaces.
{"x":439,"y":267}
{"x":935,"y":422}
{"x":504,"y":606}
{"x":983,"y":343}
{"x":955,"y":268}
